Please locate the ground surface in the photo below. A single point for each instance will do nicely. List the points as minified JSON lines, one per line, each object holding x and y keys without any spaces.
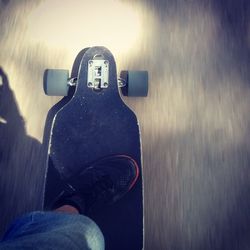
{"x":195,"y":122}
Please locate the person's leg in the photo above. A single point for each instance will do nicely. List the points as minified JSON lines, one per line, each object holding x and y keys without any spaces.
{"x":103,"y":182}
{"x":53,"y":230}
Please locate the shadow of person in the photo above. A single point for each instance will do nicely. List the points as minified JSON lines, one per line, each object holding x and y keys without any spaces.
{"x":21,"y":178}
{"x":10,"y":119}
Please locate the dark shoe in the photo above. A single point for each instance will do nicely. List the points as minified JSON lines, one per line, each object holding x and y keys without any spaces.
{"x":103,"y":182}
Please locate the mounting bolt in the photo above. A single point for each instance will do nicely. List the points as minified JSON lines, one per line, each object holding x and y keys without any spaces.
{"x":90,"y":84}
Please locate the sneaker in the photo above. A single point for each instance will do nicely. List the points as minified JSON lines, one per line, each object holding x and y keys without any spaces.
{"x":102,"y":183}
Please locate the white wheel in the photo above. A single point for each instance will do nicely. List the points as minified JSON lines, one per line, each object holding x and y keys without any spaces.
{"x":55,"y":82}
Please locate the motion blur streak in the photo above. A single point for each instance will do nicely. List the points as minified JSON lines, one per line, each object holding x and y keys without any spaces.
{"x":195,"y":122}
{"x":194,"y":125}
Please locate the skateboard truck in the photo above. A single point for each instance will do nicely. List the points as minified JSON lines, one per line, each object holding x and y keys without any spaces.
{"x":72,"y":81}
{"x":121,"y":82}
{"x":98,"y":73}
{"x":56,"y":82}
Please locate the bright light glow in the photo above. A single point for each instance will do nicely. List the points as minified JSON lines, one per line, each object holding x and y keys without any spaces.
{"x":75,"y":24}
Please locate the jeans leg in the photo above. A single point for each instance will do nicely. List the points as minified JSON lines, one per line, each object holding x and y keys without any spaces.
{"x":53,"y":230}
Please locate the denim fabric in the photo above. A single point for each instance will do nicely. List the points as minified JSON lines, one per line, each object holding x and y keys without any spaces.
{"x":53,"y":230}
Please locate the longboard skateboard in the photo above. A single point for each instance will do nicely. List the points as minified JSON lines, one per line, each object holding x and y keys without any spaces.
{"x":89,"y":123}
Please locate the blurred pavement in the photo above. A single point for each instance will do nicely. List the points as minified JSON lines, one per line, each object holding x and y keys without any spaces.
{"x":195,"y":122}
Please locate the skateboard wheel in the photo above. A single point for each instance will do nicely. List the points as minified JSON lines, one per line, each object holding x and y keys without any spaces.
{"x":55,"y":82}
{"x":136,"y":83}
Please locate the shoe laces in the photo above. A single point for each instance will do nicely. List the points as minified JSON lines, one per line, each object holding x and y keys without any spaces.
{"x":102,"y":190}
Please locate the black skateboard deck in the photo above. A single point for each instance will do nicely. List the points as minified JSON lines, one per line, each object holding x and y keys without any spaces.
{"x":88,"y":125}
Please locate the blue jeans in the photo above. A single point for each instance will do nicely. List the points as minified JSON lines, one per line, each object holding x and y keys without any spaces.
{"x":53,"y":230}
